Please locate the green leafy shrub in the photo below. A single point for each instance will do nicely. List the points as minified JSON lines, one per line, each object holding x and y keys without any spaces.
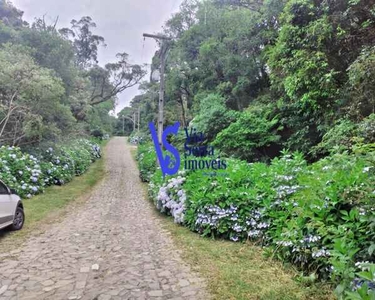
{"x":338,"y":139}
{"x":139,"y":138}
{"x":337,"y":203}
{"x":366,"y":129}
{"x":249,"y":137}
{"x":221,"y":207}
{"x":21,"y":171}
{"x":81,"y":156}
{"x":29,"y":175}
{"x":97,"y":133}
{"x":146,"y":158}
{"x":360,"y":87}
{"x":344,"y":135}
{"x":58,"y":166}
{"x":170,"y":198}
{"x":214,"y":116}
{"x":320,"y":217}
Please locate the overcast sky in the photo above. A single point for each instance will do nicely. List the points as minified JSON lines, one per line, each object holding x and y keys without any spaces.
{"x":120,"y":22}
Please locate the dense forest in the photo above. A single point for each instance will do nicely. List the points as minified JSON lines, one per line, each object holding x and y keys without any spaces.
{"x":51,"y":85}
{"x":262,"y":76}
{"x":256,"y":76}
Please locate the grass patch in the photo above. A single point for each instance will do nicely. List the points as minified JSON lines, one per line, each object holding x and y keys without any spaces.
{"x":239,"y":270}
{"x":53,"y":204}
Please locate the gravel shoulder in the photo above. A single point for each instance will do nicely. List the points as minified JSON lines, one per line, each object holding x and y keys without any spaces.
{"x":112,"y":247}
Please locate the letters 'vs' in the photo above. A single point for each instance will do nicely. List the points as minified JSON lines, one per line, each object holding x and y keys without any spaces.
{"x":168,"y":165}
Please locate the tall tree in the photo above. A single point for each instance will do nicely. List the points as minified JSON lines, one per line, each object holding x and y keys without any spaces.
{"x":50,"y":50}
{"x":85,"y":42}
{"x":182,"y":20}
{"x":30,"y":107}
{"x":254,"y":5}
{"x":10,"y":15}
{"x":114,"y":78}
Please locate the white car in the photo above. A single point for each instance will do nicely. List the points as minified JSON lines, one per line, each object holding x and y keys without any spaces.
{"x":11,"y":209}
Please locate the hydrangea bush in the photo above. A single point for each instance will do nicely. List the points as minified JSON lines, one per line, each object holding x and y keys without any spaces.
{"x":320,"y":217}
{"x":138,"y":138}
{"x":21,"y":171}
{"x":170,"y":198}
{"x":28,"y":175}
{"x":147,"y":162}
{"x":58,"y":167}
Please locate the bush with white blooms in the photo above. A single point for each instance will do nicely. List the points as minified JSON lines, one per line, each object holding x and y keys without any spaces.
{"x":171,"y":199}
{"x":318,"y":216}
{"x":28,"y":175}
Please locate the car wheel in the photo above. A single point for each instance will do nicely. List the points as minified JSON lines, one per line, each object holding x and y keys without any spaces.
{"x":19,"y":219}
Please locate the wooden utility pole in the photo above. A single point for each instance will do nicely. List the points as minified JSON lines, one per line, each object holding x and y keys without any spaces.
{"x":134,"y":122}
{"x":139,"y":116}
{"x":163,"y":58}
{"x":123,"y":122}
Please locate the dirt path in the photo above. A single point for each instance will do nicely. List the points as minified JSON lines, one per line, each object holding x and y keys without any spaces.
{"x":117,"y":231}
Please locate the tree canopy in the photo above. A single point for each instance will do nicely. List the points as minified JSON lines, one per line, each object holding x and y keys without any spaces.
{"x":51,"y":83}
{"x":305,"y":63}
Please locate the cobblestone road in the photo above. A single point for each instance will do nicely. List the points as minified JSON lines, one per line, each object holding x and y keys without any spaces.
{"x":113,"y":247}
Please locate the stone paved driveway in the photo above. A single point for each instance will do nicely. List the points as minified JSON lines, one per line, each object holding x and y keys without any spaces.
{"x":111,"y":248}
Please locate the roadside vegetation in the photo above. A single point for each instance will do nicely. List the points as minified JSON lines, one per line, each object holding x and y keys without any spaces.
{"x":317,"y":217}
{"x":29,"y":174}
{"x":55,"y":104}
{"x":50,"y":206}
{"x":237,"y":270}
{"x":241,"y":271}
{"x":55,"y":99}
{"x":52,"y":85}
{"x":284,"y":91}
